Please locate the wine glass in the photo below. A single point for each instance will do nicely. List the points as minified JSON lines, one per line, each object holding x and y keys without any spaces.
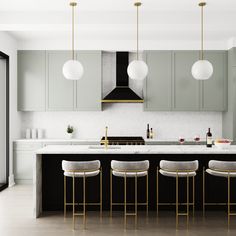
{"x":197,"y":138}
{"x":181,"y":140}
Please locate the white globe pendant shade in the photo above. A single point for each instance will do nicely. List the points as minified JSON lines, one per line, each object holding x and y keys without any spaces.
{"x":137,"y":70}
{"x":73,"y":70}
{"x":202,"y":70}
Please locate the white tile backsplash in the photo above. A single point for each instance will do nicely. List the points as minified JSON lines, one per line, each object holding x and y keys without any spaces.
{"x":124,"y":119}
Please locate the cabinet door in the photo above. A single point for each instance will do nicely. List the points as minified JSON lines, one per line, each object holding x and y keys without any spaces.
{"x":158,"y":82}
{"x":60,"y":91}
{"x":214,"y":90}
{"x":185,"y":88}
{"x":88,"y":88}
{"x":31,"y":80}
{"x":23,"y":165}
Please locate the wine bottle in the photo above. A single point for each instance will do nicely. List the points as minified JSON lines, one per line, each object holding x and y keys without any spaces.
{"x":151,"y":133}
{"x":148,"y":132}
{"x":209,"y":138}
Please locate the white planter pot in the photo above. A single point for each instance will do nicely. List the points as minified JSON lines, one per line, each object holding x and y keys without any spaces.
{"x":69,"y":135}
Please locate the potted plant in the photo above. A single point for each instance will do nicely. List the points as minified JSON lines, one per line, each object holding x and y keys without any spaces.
{"x":70,"y":130}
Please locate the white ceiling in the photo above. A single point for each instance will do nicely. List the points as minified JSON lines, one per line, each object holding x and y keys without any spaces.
{"x":113,"y":20}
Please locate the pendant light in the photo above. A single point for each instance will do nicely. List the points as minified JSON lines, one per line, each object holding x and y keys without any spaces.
{"x":202,"y":69}
{"x":73,"y":69}
{"x":137,"y":69}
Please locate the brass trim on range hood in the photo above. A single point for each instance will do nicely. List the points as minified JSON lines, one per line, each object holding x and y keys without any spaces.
{"x":122,"y":101}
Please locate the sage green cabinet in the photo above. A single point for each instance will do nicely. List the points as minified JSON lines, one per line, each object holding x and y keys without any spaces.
{"x":158,"y":82}
{"x":31,"y":80}
{"x":185,"y":88}
{"x":214,"y":90}
{"x":88,"y":88}
{"x":60,"y":91}
{"x":170,"y":85}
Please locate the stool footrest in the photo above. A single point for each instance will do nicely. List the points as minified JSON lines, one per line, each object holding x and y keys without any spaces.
{"x":219,"y":204}
{"x":130,"y":214}
{"x":174,"y":204}
{"x":182,"y":214}
{"x":79,"y":214}
{"x":128,"y":204}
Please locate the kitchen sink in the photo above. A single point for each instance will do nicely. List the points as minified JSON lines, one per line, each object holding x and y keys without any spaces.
{"x":102,"y":147}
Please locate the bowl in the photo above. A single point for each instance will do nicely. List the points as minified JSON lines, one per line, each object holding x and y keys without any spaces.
{"x":223,"y":143}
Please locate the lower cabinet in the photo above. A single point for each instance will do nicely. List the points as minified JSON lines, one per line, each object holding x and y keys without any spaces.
{"x":23,"y":155}
{"x":23,"y":166}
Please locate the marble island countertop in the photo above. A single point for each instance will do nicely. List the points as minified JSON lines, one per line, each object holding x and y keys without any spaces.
{"x":146,"y":149}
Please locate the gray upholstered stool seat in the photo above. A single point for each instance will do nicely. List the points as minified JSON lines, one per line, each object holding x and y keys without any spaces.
{"x":80,"y":169}
{"x":222,"y":168}
{"x":129,"y":169}
{"x":180,"y":168}
{"x":179,"y":173}
{"x":82,"y":174}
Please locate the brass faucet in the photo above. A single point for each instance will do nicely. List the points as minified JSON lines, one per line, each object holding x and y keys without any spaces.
{"x":105,"y":141}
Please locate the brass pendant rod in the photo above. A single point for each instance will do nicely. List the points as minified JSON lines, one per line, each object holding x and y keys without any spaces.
{"x":137,"y":5}
{"x":137,"y":33}
{"x":73,"y":5}
{"x":202,"y":33}
{"x":202,"y":5}
{"x":73,"y":32}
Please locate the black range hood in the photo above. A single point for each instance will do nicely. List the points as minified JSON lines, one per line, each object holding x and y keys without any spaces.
{"x":122,"y":93}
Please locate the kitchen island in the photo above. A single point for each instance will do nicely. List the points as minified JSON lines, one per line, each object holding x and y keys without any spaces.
{"x":48,"y":174}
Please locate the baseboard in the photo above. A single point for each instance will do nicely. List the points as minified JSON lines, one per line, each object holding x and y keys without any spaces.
{"x":24,"y":181}
{"x":11,"y":181}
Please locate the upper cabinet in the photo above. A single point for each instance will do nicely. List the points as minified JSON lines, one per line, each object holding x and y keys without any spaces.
{"x":170,"y":77}
{"x":89,"y":99}
{"x":214,"y":90}
{"x":42,"y":86}
{"x":31,"y":80}
{"x":158,"y":83}
{"x":185,"y":87}
{"x":60,"y":91}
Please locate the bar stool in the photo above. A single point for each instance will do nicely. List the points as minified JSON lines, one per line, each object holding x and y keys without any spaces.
{"x":81,"y":169}
{"x":179,"y":169}
{"x":129,"y":169}
{"x":226,"y":169}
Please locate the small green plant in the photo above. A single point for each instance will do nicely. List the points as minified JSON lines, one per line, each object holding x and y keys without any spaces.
{"x":70,"y":129}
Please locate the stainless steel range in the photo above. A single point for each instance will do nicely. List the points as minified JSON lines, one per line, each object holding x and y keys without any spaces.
{"x":123,"y":140}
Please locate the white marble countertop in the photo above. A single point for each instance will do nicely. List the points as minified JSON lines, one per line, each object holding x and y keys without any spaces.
{"x":146,"y":149}
{"x":57,"y":140}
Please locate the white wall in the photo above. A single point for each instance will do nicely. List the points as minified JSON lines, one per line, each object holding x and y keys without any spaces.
{"x":125,"y":119}
{"x":9,"y":46}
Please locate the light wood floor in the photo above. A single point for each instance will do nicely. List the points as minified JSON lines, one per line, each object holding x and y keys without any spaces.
{"x":16,"y":220}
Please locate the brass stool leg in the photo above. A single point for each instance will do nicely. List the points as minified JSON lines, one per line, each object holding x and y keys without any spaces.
{"x":193,"y":195}
{"x":111,"y":193}
{"x":228,"y":200}
{"x":73,"y":202}
{"x":136,"y":201}
{"x":177,"y":201}
{"x":101,"y":192}
{"x":147,"y":189}
{"x":187,"y":200}
{"x":125,"y":221}
{"x":65,"y":196}
{"x":157,"y":192}
{"x":203,"y":191}
{"x":84,"y":210}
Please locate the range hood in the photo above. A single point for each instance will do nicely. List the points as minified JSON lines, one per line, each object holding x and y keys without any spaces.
{"x":122,"y":93}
